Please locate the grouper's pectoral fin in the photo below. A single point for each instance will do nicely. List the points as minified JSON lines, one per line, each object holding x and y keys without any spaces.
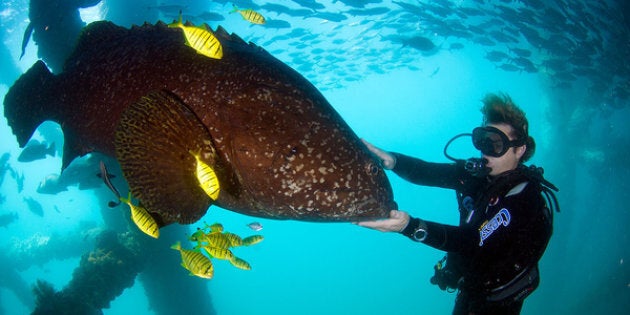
{"x":154,"y":138}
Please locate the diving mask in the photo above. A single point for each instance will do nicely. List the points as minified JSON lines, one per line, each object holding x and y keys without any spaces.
{"x":492,"y":141}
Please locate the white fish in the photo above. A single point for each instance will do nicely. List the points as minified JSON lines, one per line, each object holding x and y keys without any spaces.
{"x":256,"y":226}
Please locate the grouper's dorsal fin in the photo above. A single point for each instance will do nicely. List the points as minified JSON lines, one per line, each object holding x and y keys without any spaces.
{"x":153,"y":142}
{"x":223,"y":35}
{"x":94,"y":34}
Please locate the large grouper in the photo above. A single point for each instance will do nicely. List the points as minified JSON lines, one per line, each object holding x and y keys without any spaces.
{"x":141,"y":95}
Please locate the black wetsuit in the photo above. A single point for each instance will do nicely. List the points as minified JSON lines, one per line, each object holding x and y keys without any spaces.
{"x":504,"y":228}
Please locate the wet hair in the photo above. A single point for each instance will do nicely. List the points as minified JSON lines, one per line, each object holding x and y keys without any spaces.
{"x":499,"y":109}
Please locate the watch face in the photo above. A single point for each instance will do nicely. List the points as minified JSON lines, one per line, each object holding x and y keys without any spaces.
{"x":420,"y":235}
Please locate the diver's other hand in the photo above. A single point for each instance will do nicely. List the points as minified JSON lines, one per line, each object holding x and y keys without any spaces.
{"x":396,"y":222}
{"x":388,"y":160}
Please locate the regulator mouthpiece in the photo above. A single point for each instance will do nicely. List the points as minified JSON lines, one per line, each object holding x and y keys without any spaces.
{"x":477,"y":167}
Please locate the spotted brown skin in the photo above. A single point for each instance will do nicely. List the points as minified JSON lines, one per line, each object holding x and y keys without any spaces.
{"x":279,"y":148}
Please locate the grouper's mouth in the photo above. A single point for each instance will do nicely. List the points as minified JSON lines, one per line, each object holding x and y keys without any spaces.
{"x":358,"y":204}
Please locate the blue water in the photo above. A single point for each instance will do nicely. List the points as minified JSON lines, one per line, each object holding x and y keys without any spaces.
{"x":400,"y":97}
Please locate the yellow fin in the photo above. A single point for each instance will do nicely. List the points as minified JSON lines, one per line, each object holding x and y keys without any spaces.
{"x":177,"y":246}
{"x":207,"y":177}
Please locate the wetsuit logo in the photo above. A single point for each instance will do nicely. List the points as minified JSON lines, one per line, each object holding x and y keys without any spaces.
{"x":501,"y":218}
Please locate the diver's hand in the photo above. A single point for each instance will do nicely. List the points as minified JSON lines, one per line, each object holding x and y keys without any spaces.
{"x":396,"y":222}
{"x":388,"y":160}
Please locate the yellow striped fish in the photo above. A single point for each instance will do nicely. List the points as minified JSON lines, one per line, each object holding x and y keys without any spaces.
{"x":216,"y":244}
{"x":250,"y":15}
{"x":220,"y":253}
{"x":251,"y":240}
{"x":239,"y":263}
{"x":215,"y":227}
{"x":195,"y":262}
{"x":218,"y":240}
{"x":198,"y":236}
{"x":234,"y":239}
{"x":143,"y":220}
{"x":200,"y":39}
{"x":207,"y":177}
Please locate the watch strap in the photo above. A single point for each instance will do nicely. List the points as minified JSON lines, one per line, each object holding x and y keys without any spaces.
{"x":411,"y":227}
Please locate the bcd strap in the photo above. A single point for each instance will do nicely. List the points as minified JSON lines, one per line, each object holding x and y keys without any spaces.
{"x":548,"y":189}
{"x":518,"y":288}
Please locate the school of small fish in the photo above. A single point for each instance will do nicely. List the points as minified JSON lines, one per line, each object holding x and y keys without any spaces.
{"x":215,"y":243}
{"x":211,"y":239}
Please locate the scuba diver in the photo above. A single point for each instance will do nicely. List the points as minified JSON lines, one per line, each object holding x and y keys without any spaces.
{"x":505,"y":213}
{"x":55,"y":26}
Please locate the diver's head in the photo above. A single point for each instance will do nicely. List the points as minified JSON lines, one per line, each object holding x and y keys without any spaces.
{"x":503,"y":139}
{"x":501,"y":152}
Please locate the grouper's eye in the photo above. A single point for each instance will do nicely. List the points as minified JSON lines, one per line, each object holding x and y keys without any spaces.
{"x":293,"y":151}
{"x":372,"y":169}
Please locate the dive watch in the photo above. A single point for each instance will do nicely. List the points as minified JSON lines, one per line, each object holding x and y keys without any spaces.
{"x":419,"y":234}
